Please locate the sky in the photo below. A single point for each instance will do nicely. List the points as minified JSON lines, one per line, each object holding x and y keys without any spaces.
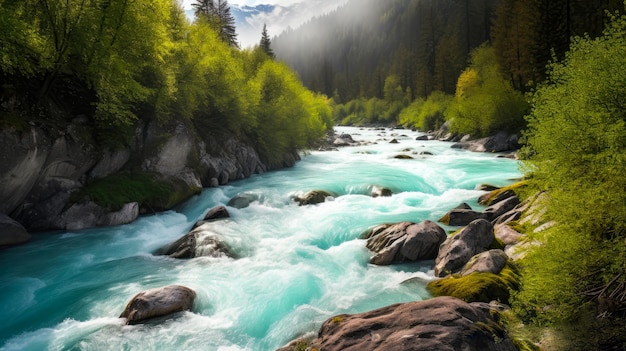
{"x":289,"y":13}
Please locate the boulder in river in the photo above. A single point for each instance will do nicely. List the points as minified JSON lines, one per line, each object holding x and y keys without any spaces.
{"x":214,"y":214}
{"x":203,"y":241}
{"x":378,"y":191}
{"x":458,"y":249}
{"x":344,"y":140}
{"x":406,"y":242}
{"x":443,"y":323}
{"x":243,"y":200}
{"x":158,"y":302}
{"x":313,"y":197}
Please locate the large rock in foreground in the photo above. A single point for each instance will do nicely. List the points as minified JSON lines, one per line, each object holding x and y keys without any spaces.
{"x":443,"y":323}
{"x":406,"y":242}
{"x":458,"y":249}
{"x":158,"y":302}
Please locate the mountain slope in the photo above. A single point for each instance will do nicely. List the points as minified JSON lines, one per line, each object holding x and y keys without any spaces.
{"x":351,"y":51}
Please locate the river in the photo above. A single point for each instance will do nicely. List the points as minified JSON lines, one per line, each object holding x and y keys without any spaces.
{"x":298,"y":266}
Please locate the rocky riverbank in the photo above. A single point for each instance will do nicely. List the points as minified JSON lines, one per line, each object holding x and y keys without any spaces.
{"x":44,"y":174}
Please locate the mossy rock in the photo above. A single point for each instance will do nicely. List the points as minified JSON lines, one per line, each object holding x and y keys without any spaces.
{"x":116,"y":190}
{"x":179,"y":192}
{"x":478,"y":287}
{"x":491,"y":197}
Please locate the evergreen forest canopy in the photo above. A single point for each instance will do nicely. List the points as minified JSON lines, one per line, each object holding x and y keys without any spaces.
{"x":376,"y":58}
{"x":122,"y":62}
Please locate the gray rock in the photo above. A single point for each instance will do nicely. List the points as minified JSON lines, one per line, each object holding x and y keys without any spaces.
{"x":457,"y":250}
{"x":214,"y":214}
{"x":406,"y":242}
{"x":110,"y":162}
{"x":499,"y":208}
{"x":487,"y":199}
{"x":442,"y":324}
{"x":492,"y":261}
{"x":500,"y":142}
{"x":344,"y":140}
{"x":202,"y":241}
{"x":380,"y":192}
{"x":461,"y":217}
{"x":243,"y":200}
{"x":127,"y":214}
{"x":158,"y":302}
{"x":22,"y":158}
{"x":507,"y":235}
{"x":11,"y":232}
{"x":313,"y":197}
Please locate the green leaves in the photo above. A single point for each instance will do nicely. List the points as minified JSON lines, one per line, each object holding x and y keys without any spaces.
{"x":577,"y":148}
{"x":485,"y":103}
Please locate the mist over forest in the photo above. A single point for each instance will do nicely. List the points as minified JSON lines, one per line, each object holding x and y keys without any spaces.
{"x":350,"y":52}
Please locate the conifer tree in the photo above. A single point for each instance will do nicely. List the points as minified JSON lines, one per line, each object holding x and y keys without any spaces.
{"x":266,"y":44}
{"x":217,"y":13}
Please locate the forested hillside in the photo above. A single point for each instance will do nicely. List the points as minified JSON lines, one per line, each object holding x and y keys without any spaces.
{"x":376,"y":58}
{"x":117,"y":63}
{"x":107,"y":105}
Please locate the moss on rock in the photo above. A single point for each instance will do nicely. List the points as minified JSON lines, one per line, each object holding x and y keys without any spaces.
{"x":491,"y":197}
{"x":478,"y":287}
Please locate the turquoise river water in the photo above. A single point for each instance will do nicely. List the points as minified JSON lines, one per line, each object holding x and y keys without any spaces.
{"x":298,"y":266}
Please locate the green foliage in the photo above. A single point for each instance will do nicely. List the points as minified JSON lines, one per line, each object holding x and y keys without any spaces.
{"x":426,"y":114}
{"x":485,"y":102}
{"x":115,"y":191}
{"x":126,"y":61}
{"x":483,"y":287}
{"x":288,"y":115}
{"x":577,"y":153}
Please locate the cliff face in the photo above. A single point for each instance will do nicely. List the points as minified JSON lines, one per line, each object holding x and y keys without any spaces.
{"x":40,"y":171}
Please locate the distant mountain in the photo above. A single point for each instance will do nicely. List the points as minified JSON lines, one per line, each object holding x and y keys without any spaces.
{"x":250,"y":19}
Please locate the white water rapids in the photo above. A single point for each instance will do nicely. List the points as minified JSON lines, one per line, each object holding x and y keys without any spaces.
{"x":298,"y":266}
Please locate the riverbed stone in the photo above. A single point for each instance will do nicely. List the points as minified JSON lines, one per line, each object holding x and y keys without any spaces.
{"x":406,"y":242}
{"x":378,"y":191}
{"x":443,"y":323}
{"x":243,"y":200}
{"x":158,"y":302}
{"x":202,"y":241}
{"x":313,"y":197}
{"x":458,"y":249}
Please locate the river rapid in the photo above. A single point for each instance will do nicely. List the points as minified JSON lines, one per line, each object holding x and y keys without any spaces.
{"x":298,"y":266}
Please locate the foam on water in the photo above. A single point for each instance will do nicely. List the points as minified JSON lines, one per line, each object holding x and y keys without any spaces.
{"x":297,"y":266}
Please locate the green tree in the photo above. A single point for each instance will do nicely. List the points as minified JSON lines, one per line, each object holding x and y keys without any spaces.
{"x":266,"y":44}
{"x":577,"y":152}
{"x":485,"y":102}
{"x":427,"y":114}
{"x":219,"y":17}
